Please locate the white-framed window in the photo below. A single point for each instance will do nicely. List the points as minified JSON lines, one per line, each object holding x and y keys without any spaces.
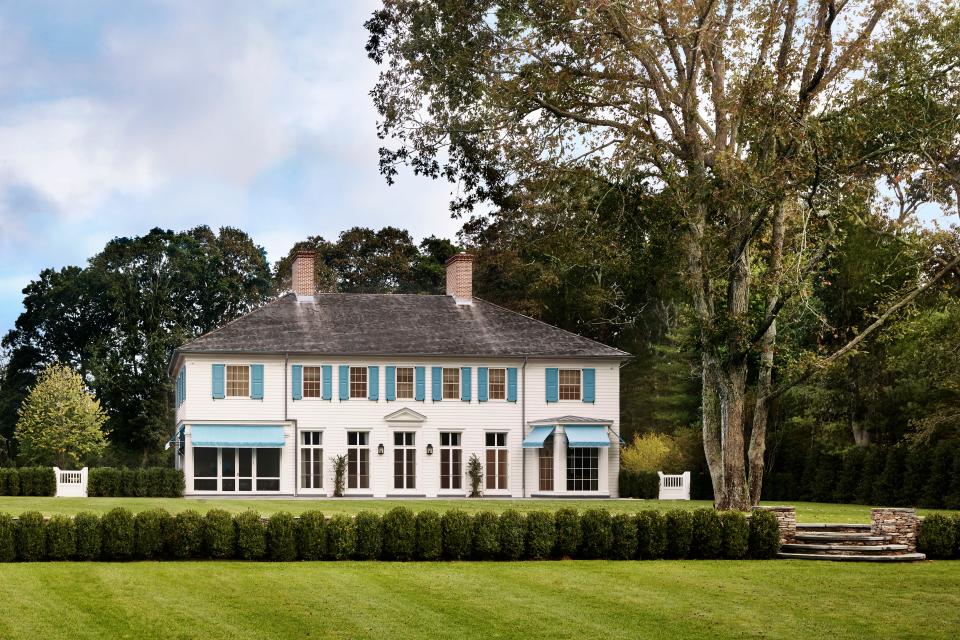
{"x":311,"y":459}
{"x":583,"y":469}
{"x":236,"y":469}
{"x":497,"y":384}
{"x":358,"y":459}
{"x":358,"y":382}
{"x":312,"y":382}
{"x":238,"y":380}
{"x":451,"y":383}
{"x":569,"y":384}
{"x":496,"y":470}
{"x":405,"y":383}
{"x":404,"y":460}
{"x":451,"y":460}
{"x":545,"y":465}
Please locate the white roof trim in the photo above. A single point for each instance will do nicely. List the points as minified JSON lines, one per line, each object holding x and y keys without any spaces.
{"x":405,"y":415}
{"x":569,"y":420}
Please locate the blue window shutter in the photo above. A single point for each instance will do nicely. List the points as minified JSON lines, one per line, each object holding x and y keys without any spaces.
{"x":297,"y":375}
{"x":256,"y":381}
{"x":344,"y":380}
{"x":553,"y":384}
{"x":373,"y":383}
{"x":421,"y":392}
{"x":327,"y":377}
{"x":481,"y":384}
{"x":589,"y":385}
{"x":436,"y":379}
{"x":465,"y":384}
{"x":219,"y":376}
{"x":511,"y":384}
{"x":391,"y":391}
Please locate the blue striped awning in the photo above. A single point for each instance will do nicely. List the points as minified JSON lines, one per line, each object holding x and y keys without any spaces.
{"x":236,"y":435}
{"x":586,"y":435}
{"x":537,"y":437}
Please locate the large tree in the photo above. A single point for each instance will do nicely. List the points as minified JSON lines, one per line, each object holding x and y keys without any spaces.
{"x":755,"y":125}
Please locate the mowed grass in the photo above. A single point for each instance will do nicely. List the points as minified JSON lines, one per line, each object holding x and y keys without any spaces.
{"x":562,"y":599}
{"x":806,"y":511}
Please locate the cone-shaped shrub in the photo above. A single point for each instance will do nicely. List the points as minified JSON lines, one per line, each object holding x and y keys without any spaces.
{"x":706,"y":541}
{"x":148,"y":528}
{"x":568,"y":532}
{"x":185,"y":538}
{"x":399,"y":534}
{"x":512,"y":531}
{"x":624,"y":529}
{"x":8,"y":541}
{"x":311,"y":536}
{"x":219,"y":534}
{"x":341,"y":538}
{"x":457,"y":534}
{"x":116,"y":534}
{"x":486,"y":538}
{"x":736,"y":535}
{"x":86,"y":527}
{"x":282,"y":537}
{"x":679,"y":534}
{"x":429,"y":535}
{"x":369,"y":535}
{"x":251,"y":536}
{"x":61,"y":538}
{"x":596,"y":534}
{"x":541,"y":535}
{"x":764,"y":535}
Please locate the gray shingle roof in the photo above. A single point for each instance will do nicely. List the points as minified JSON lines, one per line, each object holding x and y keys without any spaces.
{"x":346,"y":324}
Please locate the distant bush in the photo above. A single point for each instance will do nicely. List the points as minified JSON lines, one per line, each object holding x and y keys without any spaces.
{"x":369,"y":535}
{"x":117,"y":534}
{"x":341,"y":538}
{"x":148,"y":533}
{"x":86,"y":527}
{"x":31,"y":541}
{"x":937,"y":537}
{"x":281,"y":537}
{"x":9,"y":482}
{"x":623,"y":528}
{"x":8,"y":540}
{"x":639,"y":484}
{"x":736,"y":535}
{"x":185,"y":538}
{"x":251,"y":536}
{"x":150,"y":482}
{"x":311,"y":536}
{"x":706,"y":541}
{"x":568,"y":532}
{"x":541,"y":535}
{"x":512,"y":533}
{"x":764,"y":535}
{"x":679,"y":534}
{"x":651,"y":535}
{"x":457,"y":534}
{"x":399,"y":534}
{"x":429,"y":535}
{"x":28,"y":481}
{"x":486,"y":537}
{"x":219,"y":534}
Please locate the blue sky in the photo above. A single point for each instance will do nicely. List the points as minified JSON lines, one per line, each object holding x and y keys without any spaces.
{"x":116,"y":117}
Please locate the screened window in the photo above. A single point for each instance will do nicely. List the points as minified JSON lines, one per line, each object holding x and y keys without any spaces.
{"x":312,"y":382}
{"x":497,"y":384}
{"x":451,"y":384}
{"x":358,"y":382}
{"x":236,"y":469}
{"x":238,"y":380}
{"x":451,"y":461}
{"x":405,"y":382}
{"x":583,"y":469}
{"x":496,"y":461}
{"x":205,"y":468}
{"x":311,"y":460}
{"x":546,"y":465}
{"x":569,"y":384}
{"x":404,"y":460}
{"x":358,"y":460}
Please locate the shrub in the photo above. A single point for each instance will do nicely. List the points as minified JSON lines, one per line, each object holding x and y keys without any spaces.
{"x":512,"y":531}
{"x":282,"y":537}
{"x":149,"y":482}
{"x":736,"y":535}
{"x":339,"y":474}
{"x":341,"y":538}
{"x":311,"y":536}
{"x":623,"y":528}
{"x":12,"y":482}
{"x":486,"y":537}
{"x":651,"y":535}
{"x":148,"y":533}
{"x":37,"y":481}
{"x":186,"y":535}
{"x":219,"y":534}
{"x":541,"y":535}
{"x":251,"y":538}
{"x":475,"y":473}
{"x":86,"y":527}
{"x":596,"y":534}
{"x":956,"y":536}
{"x":706,"y":540}
{"x":429,"y":536}
{"x":457,"y":534}
{"x":8,"y":540}
{"x":568,"y":532}
{"x":369,"y":535}
{"x":31,"y":542}
{"x":639,"y":484}
{"x":937,"y":537}
{"x":399,"y":534}
{"x":679,"y":533}
{"x":764,"y":535}
{"x":117,"y":534}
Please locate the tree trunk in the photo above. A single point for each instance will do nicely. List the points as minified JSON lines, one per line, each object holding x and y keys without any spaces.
{"x":733,"y":400}
{"x":711,"y":427}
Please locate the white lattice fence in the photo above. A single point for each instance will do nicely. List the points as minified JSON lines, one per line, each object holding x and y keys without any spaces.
{"x":71,"y":484}
{"x":674,"y":486}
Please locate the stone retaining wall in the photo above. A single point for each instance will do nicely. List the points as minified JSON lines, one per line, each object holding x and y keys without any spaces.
{"x":901,"y":524}
{"x":786,"y":519}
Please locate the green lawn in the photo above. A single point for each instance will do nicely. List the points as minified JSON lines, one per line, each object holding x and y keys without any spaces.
{"x":806,"y":511}
{"x":567,"y":599}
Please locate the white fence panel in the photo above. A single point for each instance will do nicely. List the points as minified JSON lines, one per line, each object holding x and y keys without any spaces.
{"x":71,"y":484}
{"x":674,"y":486}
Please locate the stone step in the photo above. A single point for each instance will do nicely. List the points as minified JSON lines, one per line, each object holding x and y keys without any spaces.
{"x":902,"y":557}
{"x":877,"y":549}
{"x":810,"y":527}
{"x":838,"y":536}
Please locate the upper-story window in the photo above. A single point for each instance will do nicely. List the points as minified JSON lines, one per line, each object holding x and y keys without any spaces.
{"x":569,"y":384}
{"x":312,"y":381}
{"x":497,"y":384}
{"x":358,"y":382}
{"x":451,"y":383}
{"x":238,"y":381}
{"x":405,"y":382}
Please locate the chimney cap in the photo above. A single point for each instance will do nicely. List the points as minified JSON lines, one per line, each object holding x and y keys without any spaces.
{"x":304,"y":252}
{"x":462,"y":256}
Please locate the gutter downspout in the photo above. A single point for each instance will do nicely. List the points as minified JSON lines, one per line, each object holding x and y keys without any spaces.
{"x":523,"y":428}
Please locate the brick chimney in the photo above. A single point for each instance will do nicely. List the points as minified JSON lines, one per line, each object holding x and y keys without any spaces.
{"x":460,"y":278}
{"x":302,"y":278}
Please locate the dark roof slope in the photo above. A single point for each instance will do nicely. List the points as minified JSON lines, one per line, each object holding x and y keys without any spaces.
{"x":393,"y":324}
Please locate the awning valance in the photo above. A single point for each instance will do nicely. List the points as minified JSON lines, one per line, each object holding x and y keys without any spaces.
{"x":537,"y":437}
{"x":236,"y":435}
{"x":586,"y":435}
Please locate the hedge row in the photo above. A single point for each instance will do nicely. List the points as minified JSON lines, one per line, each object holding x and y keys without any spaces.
{"x":398,"y":535}
{"x":28,"y":481}
{"x":643,"y":484}
{"x":940,"y":537}
{"x":150,"y":482}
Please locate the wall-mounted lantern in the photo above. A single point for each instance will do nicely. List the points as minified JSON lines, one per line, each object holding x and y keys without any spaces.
{"x":429,"y":449}
{"x":380,"y":449}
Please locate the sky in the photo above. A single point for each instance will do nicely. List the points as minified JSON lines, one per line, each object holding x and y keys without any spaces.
{"x":117,"y":117}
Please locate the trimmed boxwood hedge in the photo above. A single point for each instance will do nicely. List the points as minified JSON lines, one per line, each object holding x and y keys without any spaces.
{"x":150,"y":482}
{"x":938,"y":537}
{"x":28,"y":481}
{"x":401,"y":535}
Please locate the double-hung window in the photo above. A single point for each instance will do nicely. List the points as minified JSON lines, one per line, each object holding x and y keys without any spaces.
{"x":311,"y":459}
{"x":312,"y":381}
{"x":451,"y":383}
{"x":496,"y":461}
{"x":404,"y":460}
{"x":358,"y":460}
{"x":358,"y":382}
{"x":238,"y":381}
{"x":405,"y":383}
{"x":451,"y":461}
{"x":569,"y":384}
{"x":497,"y":384}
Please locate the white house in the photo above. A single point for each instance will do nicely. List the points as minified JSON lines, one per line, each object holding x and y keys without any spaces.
{"x":408,"y":387}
